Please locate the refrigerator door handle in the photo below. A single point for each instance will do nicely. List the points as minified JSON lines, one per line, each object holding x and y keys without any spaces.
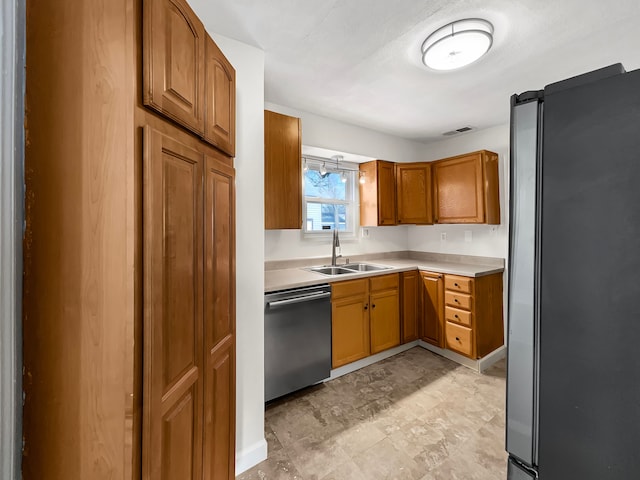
{"x":522,"y":311}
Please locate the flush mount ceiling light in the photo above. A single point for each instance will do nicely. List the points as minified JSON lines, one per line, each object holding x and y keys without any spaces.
{"x":457,"y":44}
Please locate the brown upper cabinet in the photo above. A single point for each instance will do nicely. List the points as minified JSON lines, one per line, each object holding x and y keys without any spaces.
{"x":466,"y":188}
{"x":174,"y":44}
{"x":377,"y":193}
{"x":220,"y":99}
{"x":282,"y":172}
{"x":186,"y":76}
{"x":413,"y":190}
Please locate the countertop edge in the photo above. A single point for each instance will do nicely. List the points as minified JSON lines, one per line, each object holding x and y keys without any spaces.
{"x":465,"y":270}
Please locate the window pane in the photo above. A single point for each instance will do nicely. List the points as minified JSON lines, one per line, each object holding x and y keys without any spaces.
{"x":327,"y":186}
{"x":326,"y":216}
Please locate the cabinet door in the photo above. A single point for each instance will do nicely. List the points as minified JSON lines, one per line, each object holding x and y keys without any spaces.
{"x":219,"y":321}
{"x":368,"y":194}
{"x":410,"y":305}
{"x":377,"y":193}
{"x":386,"y":193}
{"x":432,"y":308}
{"x":173,"y":300}
{"x":173,"y":52}
{"x":220,"y":99}
{"x":282,"y":172}
{"x":384,"y":318}
{"x":413,"y":191}
{"x":459,"y":190}
{"x":350,"y":330}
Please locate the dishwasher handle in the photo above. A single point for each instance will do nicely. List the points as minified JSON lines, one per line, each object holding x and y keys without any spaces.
{"x":304,"y":298}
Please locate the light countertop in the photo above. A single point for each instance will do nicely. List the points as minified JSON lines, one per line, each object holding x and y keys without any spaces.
{"x":296,"y":276}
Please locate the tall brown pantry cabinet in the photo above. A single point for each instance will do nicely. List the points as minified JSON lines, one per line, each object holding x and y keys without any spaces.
{"x":129,"y":285}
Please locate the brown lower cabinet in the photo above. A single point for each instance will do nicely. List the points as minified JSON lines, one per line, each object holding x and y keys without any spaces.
{"x":410,"y":293}
{"x":473,"y":314}
{"x":431,"y":325}
{"x":365,"y":317}
{"x":462,"y":314}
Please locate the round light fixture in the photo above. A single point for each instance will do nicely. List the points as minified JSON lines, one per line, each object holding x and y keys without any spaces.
{"x":457,"y":44}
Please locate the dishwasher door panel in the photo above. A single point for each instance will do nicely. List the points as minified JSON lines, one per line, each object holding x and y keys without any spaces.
{"x":297,"y":340}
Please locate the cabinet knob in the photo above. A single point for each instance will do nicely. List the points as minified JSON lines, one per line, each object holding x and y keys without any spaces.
{"x":456,"y":300}
{"x":456,"y":285}
{"x":457,"y":339}
{"x":366,"y":306}
{"x":373,"y":305}
{"x":456,"y":315}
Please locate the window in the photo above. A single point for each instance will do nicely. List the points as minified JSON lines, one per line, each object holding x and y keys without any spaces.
{"x":328,"y":201}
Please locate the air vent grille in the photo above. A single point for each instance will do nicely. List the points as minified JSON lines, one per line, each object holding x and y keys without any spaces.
{"x":458,"y":131}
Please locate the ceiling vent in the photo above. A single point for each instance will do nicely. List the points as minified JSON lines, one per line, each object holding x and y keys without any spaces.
{"x":457,"y":131}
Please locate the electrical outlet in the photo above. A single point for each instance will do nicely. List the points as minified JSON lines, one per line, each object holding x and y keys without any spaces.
{"x":443,"y":236}
{"x":365,"y":233}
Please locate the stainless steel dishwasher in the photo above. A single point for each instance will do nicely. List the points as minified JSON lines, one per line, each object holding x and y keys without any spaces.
{"x":297,"y":339}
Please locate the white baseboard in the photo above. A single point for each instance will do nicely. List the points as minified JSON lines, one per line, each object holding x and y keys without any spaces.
{"x":251,"y":456}
{"x":453,"y":356}
{"x":365,"y":362}
{"x":478,"y":365}
{"x":493,"y":357}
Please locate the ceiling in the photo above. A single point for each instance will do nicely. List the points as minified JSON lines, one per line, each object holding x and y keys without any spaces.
{"x":358,"y":61}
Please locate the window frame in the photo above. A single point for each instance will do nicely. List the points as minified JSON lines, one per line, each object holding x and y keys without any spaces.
{"x":352,"y":209}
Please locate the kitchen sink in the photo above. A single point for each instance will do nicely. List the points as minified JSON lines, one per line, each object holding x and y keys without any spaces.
{"x":346,"y":269}
{"x":364,"y":267}
{"x":330,"y":270}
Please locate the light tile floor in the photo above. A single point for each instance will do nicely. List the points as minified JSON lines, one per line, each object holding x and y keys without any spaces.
{"x":414,"y":416}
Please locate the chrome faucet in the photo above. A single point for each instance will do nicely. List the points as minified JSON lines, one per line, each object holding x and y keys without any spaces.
{"x":335,"y":243}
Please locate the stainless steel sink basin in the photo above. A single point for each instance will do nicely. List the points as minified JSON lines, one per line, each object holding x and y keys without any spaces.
{"x":346,"y":269}
{"x":330,"y":270}
{"x":364,"y":267}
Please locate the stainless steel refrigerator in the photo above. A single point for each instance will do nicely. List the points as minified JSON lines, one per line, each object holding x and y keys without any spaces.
{"x":573,"y":369}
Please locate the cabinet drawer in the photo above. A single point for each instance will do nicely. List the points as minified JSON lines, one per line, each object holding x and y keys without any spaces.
{"x":459,"y":338}
{"x":384,"y":282}
{"x":456,"y":315}
{"x":458,"y":300}
{"x":458,"y":284}
{"x":349,"y":288}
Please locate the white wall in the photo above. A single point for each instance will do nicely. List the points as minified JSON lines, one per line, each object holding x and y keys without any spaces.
{"x":248,"y":61}
{"x":323,"y":132}
{"x":289,"y":244}
{"x":487,"y":240}
{"x":318,"y":131}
